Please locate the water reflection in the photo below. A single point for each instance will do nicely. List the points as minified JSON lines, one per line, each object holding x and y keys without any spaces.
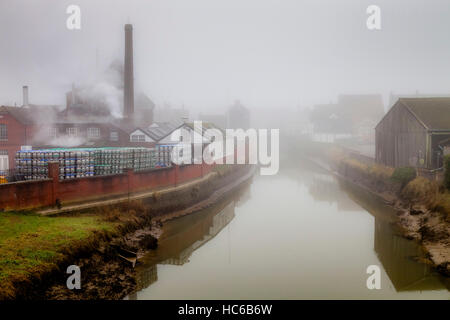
{"x":182,"y":236}
{"x":402,"y":259}
{"x":302,"y":234}
{"x":399,"y":258}
{"x":219,"y":221}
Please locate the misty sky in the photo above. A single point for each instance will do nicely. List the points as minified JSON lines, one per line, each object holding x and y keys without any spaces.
{"x":207,"y":53}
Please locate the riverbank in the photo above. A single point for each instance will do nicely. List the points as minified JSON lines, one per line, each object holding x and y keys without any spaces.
{"x":88,"y":238}
{"x":422,"y":206}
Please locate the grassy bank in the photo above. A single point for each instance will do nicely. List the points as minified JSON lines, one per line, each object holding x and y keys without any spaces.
{"x":30,"y":244}
{"x":403,"y":182}
{"x":35,"y":249}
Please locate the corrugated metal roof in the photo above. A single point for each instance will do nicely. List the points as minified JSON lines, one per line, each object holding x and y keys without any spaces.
{"x":162,"y":129}
{"x":434,"y":113}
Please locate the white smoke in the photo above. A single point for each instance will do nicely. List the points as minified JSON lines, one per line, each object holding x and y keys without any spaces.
{"x":105,"y":94}
{"x":67,"y":141}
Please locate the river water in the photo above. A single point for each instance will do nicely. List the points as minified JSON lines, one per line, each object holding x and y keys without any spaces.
{"x":301,"y":234}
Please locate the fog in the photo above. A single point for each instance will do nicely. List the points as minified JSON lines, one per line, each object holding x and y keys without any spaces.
{"x":205,"y":54}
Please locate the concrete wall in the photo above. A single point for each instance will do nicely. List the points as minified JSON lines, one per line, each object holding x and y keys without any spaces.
{"x":33,"y":194}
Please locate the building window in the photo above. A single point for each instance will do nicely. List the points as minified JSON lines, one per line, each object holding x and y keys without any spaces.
{"x":138,"y":138}
{"x":71,"y":132}
{"x":93,"y":132}
{"x":3,"y":132}
{"x":114,"y":136}
{"x":52,"y":132}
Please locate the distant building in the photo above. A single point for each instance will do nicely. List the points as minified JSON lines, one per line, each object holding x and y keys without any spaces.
{"x":328,"y":123}
{"x":238,"y":116}
{"x":144,"y":109}
{"x":352,"y":116}
{"x":218,"y":119}
{"x":412,"y":132}
{"x":169,"y":114}
{"x":362,"y":113}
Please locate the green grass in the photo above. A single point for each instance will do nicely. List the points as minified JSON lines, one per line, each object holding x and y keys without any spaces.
{"x":29,"y":242}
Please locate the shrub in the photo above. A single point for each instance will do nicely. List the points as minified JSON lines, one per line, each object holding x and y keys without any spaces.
{"x":403,"y":175}
{"x":380,"y":172}
{"x":447,"y":171}
{"x":421,"y":190}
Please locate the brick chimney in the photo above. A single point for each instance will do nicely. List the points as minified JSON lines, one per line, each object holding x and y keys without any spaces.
{"x":128,"y":94}
{"x":70,"y":99}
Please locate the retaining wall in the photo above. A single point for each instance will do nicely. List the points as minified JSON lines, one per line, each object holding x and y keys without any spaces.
{"x":43,"y":193}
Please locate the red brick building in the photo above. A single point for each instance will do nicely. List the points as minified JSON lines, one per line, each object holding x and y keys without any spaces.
{"x":43,"y":127}
{"x":15,"y":131}
{"x":83,"y":123}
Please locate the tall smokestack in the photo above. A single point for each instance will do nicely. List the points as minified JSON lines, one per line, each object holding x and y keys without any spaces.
{"x":25,"y":96}
{"x":128,"y":94}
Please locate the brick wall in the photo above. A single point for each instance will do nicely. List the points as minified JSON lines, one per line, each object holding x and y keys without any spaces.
{"x":17,"y":136}
{"x":33,"y":194}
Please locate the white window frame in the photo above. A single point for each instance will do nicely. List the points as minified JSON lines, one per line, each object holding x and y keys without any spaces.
{"x":137,"y":138}
{"x":52,"y":132}
{"x":93,"y":132}
{"x":72,"y":131}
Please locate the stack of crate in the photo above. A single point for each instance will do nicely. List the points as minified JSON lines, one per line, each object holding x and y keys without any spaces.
{"x":144,"y":158}
{"x":87,"y":162}
{"x":33,"y":164}
{"x":113,"y":160}
{"x":74,"y":163}
{"x":24,"y":164}
{"x":164,"y":155}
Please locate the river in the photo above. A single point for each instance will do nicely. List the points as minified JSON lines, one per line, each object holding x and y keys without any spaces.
{"x":301,"y":234}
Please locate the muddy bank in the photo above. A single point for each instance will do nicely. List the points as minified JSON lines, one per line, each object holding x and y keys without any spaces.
{"x":103,"y":274}
{"x":417,"y":214}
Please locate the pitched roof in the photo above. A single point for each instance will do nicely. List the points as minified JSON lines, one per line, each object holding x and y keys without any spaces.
{"x":393,"y":97}
{"x":434,"y":113}
{"x":23,"y":115}
{"x":159,"y":130}
{"x":33,"y":113}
